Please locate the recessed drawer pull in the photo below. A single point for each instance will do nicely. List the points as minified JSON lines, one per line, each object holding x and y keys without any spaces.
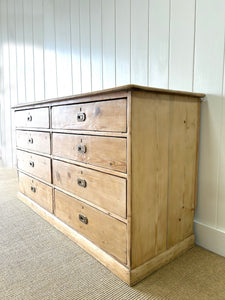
{"x":30,"y":141}
{"x":32,"y":164}
{"x":81,"y":117}
{"x":81,"y":182}
{"x":33,"y":189}
{"x":82,"y":148}
{"x":83,"y":219}
{"x":29,"y":118}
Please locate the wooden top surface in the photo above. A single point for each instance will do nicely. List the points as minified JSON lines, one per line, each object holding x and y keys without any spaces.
{"x":124,"y":88}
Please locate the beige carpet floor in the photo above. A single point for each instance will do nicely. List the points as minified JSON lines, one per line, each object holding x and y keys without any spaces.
{"x":39,"y":262}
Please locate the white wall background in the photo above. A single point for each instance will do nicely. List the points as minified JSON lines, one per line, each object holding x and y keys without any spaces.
{"x":51,"y":48}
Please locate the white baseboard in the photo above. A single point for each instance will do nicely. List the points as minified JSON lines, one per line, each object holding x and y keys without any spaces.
{"x":211,"y":238}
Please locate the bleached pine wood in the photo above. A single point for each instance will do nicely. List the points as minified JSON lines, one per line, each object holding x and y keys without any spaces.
{"x":162,"y":259}
{"x":107,"y":260}
{"x":70,"y":211}
{"x":149,"y":133}
{"x":183,"y":152}
{"x":34,"y":164}
{"x":106,"y":152}
{"x":36,"y":191}
{"x":97,"y":116}
{"x":104,"y":190}
{"x":33,"y":141}
{"x":153,"y":154}
{"x":36,"y":118}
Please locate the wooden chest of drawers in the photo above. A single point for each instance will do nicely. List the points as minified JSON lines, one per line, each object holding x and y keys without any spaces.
{"x":116,"y":171}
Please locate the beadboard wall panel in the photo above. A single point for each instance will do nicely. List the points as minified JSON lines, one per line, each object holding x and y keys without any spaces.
{"x":52,"y":48}
{"x":38,"y":36}
{"x":50,"y":70}
{"x":75,"y":46}
{"x":182,"y":26}
{"x":96,"y":44}
{"x":122,"y":23}
{"x":159,"y":39}
{"x":208,"y":77}
{"x":63,"y":47}
{"x":20,"y":52}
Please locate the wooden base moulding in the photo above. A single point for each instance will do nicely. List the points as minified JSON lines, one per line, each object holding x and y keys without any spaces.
{"x":130,"y":276}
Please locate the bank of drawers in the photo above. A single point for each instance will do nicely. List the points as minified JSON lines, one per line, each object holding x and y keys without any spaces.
{"x":71,"y":172}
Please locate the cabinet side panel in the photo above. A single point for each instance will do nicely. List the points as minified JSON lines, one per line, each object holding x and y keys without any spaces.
{"x":183,"y":159}
{"x":150,"y":123}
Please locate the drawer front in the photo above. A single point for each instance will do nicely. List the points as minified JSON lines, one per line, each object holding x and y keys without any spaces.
{"x":38,"y":117}
{"x":106,"y":191}
{"x":32,"y":140}
{"x":101,"y":116}
{"x":104,"y":231}
{"x":36,"y":191}
{"x":106,"y":152}
{"x":34,"y":164}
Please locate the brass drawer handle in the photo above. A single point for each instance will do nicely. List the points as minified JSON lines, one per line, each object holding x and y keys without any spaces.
{"x":82,"y":182}
{"x":82,"y":148}
{"x":29,"y":118}
{"x":33,"y":189}
{"x":32,"y":164}
{"x":81,"y":117}
{"x":30,"y":141}
{"x":83,"y":219}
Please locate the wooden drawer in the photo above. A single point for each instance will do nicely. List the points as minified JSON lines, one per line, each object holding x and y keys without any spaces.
{"x":37,"y":191}
{"x":101,"y":116}
{"x":38,"y":118}
{"x":104,"y":231}
{"x":32,"y":140}
{"x":107,"y":152}
{"x":106,"y":191}
{"x":34,"y":164}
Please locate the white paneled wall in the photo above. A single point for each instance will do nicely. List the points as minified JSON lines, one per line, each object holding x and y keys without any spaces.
{"x":51,"y":48}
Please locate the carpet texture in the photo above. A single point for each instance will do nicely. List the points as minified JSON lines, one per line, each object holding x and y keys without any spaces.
{"x":39,"y":262}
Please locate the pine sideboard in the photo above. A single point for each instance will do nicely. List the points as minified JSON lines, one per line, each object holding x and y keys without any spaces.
{"x":116,"y":171}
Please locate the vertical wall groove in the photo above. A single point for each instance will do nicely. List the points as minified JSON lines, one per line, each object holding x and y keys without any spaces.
{"x":193,"y":72}
{"x":24,"y":53}
{"x":125,"y":42}
{"x":170,"y":1}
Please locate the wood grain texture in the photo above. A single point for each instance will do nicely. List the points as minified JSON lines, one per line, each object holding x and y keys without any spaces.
{"x":182,"y":170}
{"x":137,"y":164}
{"x":38,"y":118}
{"x":98,"y":116}
{"x":150,"y":120}
{"x":107,"y":260}
{"x":112,"y":93}
{"x":36,"y":191}
{"x":33,"y":140}
{"x":105,"y":231}
{"x":104,"y":190}
{"x":162,"y":259}
{"x":106,"y":152}
{"x":33,"y":164}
